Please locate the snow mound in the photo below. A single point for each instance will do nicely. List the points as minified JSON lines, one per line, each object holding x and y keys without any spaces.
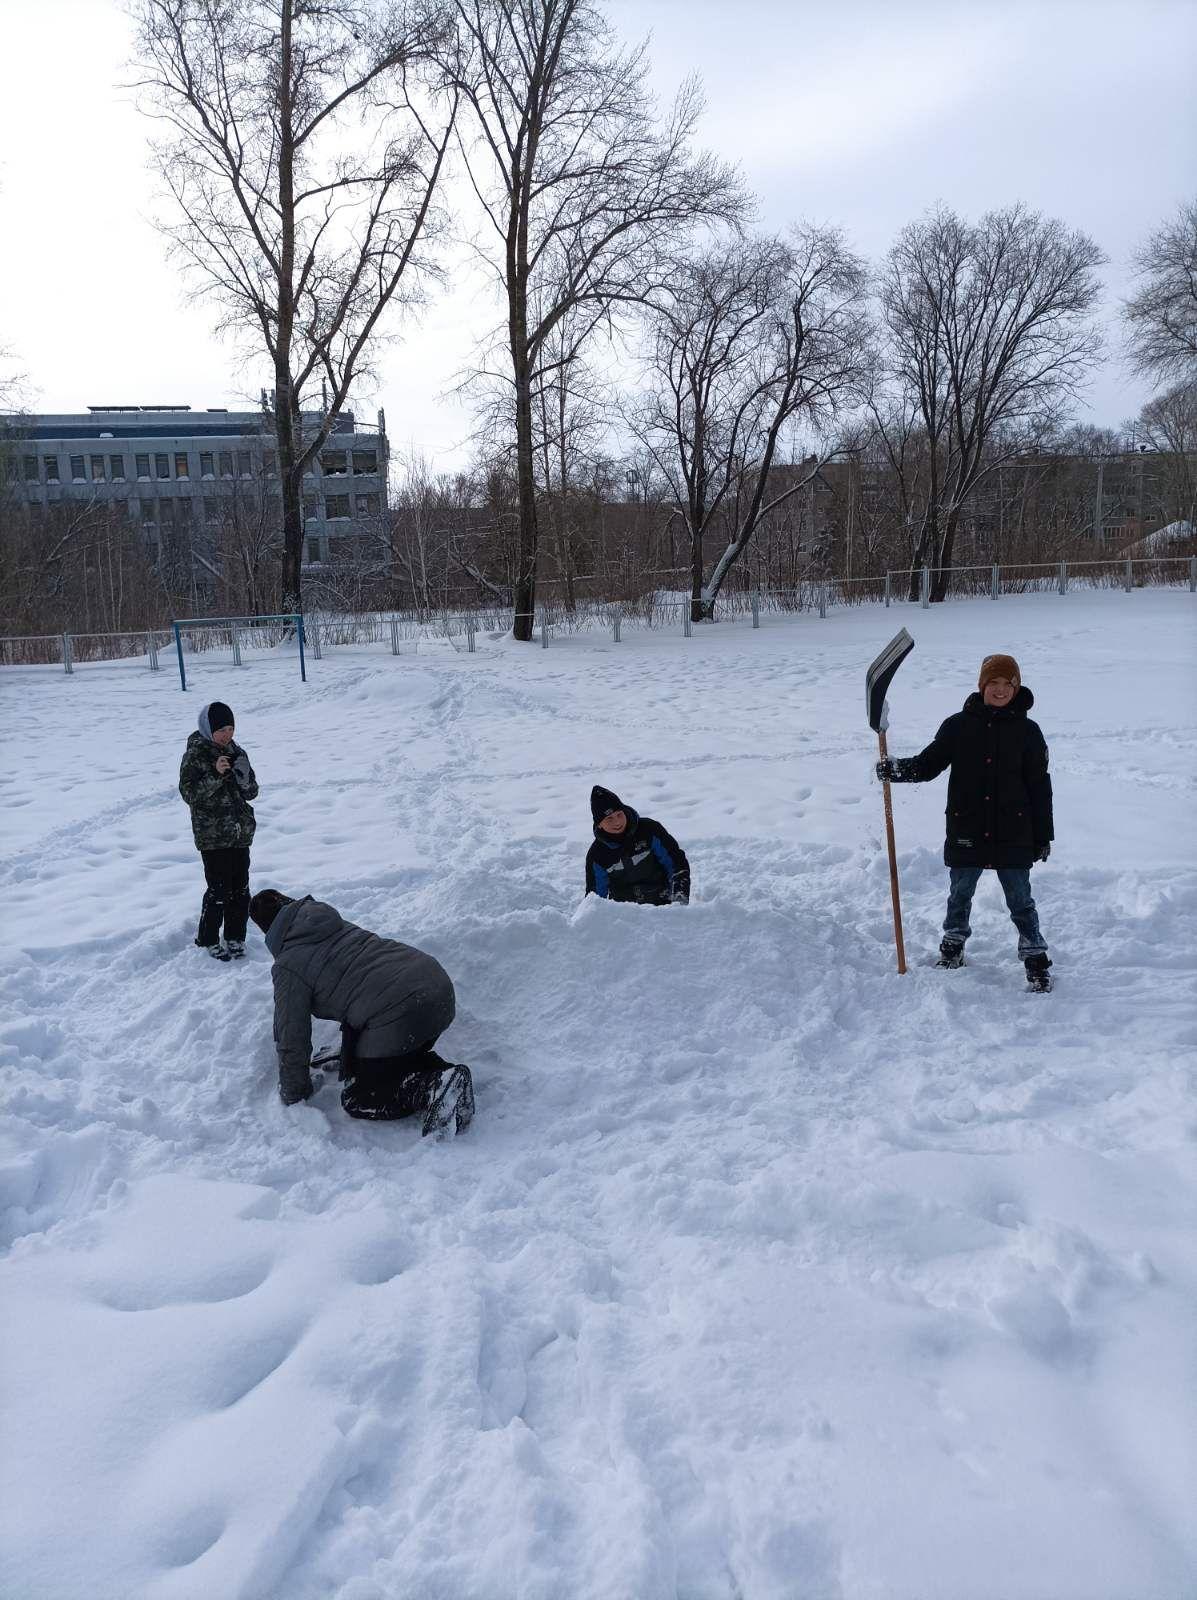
{"x":763,"y":1272}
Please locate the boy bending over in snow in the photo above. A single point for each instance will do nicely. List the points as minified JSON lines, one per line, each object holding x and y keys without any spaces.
{"x":393,"y":1003}
{"x":999,"y":811}
{"x":633,"y":857}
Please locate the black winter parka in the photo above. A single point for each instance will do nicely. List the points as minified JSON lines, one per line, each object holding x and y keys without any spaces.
{"x":999,"y":811}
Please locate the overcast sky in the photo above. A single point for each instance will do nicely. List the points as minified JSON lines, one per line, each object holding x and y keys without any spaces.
{"x":844,"y":111}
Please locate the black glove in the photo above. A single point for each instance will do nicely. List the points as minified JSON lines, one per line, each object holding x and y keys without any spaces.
{"x":1043,"y":852}
{"x":886,"y":770}
{"x":242,"y":771}
{"x":291,"y":1094}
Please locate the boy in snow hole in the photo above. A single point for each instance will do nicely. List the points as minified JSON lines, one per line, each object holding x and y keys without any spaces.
{"x":217,"y":782}
{"x":393,"y":1003}
{"x":633,"y":857}
{"x":999,"y":810}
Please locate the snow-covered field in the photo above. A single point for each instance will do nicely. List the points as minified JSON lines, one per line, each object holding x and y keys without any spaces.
{"x":763,"y":1272}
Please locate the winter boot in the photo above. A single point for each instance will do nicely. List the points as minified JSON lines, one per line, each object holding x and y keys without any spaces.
{"x":235,"y":948}
{"x":1038,"y":977}
{"x":951,"y":954}
{"x":452,"y":1102}
{"x":217,"y":951}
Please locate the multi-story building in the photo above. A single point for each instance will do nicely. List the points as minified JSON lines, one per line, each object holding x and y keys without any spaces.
{"x":176,"y":471}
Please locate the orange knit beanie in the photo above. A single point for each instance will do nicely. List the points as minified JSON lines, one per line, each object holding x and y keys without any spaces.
{"x":999,"y":667}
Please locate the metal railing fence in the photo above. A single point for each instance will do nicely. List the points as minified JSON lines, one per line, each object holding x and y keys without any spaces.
{"x":662,"y":610}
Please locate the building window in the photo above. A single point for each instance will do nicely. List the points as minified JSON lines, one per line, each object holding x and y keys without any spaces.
{"x":51,"y":465}
{"x":332,"y":464}
{"x":116,"y":468}
{"x":145,"y":510}
{"x":78,"y":475}
{"x":181,"y":468}
{"x":311,"y":507}
{"x":244,"y":464}
{"x":97,"y":468}
{"x":313,"y":550}
{"x":29,"y":463}
{"x":183,"y":512}
{"x":211,"y":510}
{"x":268,"y":462}
{"x":365,"y":461}
{"x":335,"y":506}
{"x":142,"y":464}
{"x":226,"y":463}
{"x":367,"y":505}
{"x":162,"y":466}
{"x":207,"y":469}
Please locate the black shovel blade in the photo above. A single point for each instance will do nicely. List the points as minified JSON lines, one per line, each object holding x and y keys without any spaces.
{"x":880,"y":675}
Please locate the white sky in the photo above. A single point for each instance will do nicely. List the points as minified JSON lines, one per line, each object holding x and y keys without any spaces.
{"x":846,"y":111}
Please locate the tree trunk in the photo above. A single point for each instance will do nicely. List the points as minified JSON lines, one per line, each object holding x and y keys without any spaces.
{"x":942,"y":577}
{"x":286,"y":405}
{"x":526,"y":526}
{"x":696,"y":566}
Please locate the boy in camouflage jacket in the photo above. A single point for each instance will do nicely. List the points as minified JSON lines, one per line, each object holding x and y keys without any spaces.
{"x":217,"y":782}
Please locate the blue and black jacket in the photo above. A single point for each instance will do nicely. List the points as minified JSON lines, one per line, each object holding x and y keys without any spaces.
{"x":644,"y":864}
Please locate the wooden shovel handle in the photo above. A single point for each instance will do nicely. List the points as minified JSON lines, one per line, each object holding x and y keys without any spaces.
{"x":893,"y":861}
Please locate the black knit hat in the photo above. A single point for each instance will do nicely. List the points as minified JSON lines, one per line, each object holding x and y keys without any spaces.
{"x":603,"y":803}
{"x":219,"y":715}
{"x":265,"y":906}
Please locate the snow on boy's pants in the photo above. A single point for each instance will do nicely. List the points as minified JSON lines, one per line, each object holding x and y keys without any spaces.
{"x":227,"y":897}
{"x":1016,"y":886}
{"x":387,"y":1089}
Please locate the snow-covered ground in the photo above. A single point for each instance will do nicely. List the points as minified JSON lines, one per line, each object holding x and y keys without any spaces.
{"x":763,"y":1272}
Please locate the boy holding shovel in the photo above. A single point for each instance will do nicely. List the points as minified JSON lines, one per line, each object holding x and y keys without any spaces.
{"x":999,"y":810}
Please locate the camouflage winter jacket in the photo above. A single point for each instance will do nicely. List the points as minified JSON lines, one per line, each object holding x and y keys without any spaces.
{"x":221,"y":814}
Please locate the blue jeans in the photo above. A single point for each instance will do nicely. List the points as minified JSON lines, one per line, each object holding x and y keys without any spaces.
{"x":1016,"y":886}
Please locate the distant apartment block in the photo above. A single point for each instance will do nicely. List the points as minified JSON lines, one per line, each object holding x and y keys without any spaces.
{"x":176,"y":471}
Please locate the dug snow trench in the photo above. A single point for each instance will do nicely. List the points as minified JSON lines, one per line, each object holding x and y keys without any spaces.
{"x":763,"y":1273}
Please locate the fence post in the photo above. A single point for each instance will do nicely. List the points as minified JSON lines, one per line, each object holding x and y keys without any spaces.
{"x":756,"y":608}
{"x":1193,"y":574}
{"x":1130,"y":575}
{"x":1062,"y":580}
{"x":887,"y":589}
{"x":316,"y":650}
{"x":303,"y":668}
{"x":179,"y":649}
{"x":615,"y":621}
{"x":822,"y":597}
{"x":925,"y":588}
{"x":66,"y":653}
{"x":687,"y":627}
{"x":394,"y":636}
{"x":236,"y":646}
{"x":470,"y":634}
{"x":151,"y":650}
{"x":544,"y":636}
{"x":995,"y":582}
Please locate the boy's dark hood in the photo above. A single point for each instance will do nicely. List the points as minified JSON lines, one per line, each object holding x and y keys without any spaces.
{"x":1018,"y":707}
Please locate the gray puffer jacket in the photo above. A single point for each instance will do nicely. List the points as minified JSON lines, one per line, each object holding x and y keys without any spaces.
{"x":394,"y":998}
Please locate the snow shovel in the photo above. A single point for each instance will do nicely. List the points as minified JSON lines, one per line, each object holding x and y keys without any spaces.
{"x":877,"y":680}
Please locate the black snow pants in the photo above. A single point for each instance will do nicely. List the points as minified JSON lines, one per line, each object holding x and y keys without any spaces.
{"x":388,"y":1087}
{"x":226,"y":900}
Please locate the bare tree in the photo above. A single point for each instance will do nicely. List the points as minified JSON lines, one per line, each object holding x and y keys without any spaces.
{"x":1161,"y":317}
{"x":580,"y":189}
{"x":990,"y":333}
{"x":1168,"y":424}
{"x":303,"y":171}
{"x":746,"y":344}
